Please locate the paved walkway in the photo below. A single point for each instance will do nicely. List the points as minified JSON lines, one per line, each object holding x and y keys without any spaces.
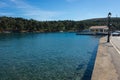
{"x":115,"y":41}
{"x":107,"y":64}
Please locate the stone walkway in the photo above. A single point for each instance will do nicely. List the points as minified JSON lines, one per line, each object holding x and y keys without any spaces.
{"x":115,"y":41}
{"x":107,"y":64}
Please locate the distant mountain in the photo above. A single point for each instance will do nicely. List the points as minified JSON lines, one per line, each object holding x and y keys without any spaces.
{"x":103,"y":19}
{"x":115,"y":21}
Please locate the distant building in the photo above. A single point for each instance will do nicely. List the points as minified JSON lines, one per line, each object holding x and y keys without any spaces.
{"x":95,"y":30}
{"x":99,"y":29}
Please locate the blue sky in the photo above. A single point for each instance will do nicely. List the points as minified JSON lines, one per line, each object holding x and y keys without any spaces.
{"x":59,"y":9}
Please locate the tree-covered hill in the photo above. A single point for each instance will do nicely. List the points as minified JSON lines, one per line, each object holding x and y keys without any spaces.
{"x":115,"y":21}
{"x":24,"y":25}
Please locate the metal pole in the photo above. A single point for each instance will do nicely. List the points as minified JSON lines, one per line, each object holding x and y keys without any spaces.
{"x":109,"y":17}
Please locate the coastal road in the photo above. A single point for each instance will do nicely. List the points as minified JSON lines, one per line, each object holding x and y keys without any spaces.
{"x":107,"y":64}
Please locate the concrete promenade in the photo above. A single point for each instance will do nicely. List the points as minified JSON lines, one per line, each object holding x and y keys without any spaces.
{"x":107,"y":64}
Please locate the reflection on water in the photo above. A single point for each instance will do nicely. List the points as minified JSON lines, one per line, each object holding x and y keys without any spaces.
{"x":47,"y":56}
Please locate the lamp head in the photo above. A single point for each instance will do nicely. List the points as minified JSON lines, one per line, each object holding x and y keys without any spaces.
{"x":109,"y":14}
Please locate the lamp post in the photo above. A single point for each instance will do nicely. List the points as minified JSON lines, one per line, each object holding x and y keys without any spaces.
{"x":109,"y":19}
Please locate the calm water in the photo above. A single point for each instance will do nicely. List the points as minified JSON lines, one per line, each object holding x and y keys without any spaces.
{"x":50,"y":56}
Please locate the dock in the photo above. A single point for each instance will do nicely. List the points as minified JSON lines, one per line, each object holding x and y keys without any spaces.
{"x":90,"y":33}
{"x":107,"y":64}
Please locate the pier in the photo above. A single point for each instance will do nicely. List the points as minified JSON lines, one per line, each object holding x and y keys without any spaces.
{"x":95,"y":30}
{"x":107,"y":64}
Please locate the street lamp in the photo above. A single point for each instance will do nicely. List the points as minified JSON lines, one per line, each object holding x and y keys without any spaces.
{"x":109,"y":19}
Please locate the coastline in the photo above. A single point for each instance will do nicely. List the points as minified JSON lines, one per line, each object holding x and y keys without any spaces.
{"x":106,"y":67}
{"x":8,"y":32}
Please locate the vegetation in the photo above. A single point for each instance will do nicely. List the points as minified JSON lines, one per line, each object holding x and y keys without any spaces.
{"x":24,"y":25}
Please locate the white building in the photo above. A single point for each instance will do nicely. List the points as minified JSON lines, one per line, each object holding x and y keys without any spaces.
{"x":99,"y":29}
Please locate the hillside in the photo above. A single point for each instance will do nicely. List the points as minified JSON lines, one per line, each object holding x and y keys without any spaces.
{"x":115,"y":21}
{"x":12,"y":24}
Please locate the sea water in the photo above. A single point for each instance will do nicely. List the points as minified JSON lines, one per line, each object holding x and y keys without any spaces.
{"x":47,"y":56}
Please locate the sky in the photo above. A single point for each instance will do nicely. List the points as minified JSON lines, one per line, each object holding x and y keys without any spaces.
{"x":43,"y":10}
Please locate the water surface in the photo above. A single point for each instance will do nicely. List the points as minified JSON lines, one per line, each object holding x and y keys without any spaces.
{"x":47,"y":56}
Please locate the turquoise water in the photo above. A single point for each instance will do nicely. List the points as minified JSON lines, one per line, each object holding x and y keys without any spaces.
{"x":47,"y":56}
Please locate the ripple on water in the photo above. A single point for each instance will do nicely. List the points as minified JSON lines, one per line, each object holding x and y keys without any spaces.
{"x":52,"y":56}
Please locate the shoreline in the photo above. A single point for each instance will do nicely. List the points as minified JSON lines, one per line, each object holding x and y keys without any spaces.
{"x":9,"y":32}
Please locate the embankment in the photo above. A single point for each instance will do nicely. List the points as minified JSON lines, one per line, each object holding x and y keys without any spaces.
{"x":105,"y":68}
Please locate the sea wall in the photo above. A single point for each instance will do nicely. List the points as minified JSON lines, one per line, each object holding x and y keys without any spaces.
{"x":104,"y":68}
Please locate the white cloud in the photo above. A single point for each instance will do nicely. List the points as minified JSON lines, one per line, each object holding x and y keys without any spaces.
{"x":34,"y":12}
{"x":13,"y":0}
{"x":6,"y":13}
{"x":71,"y":0}
{"x":2,"y":4}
